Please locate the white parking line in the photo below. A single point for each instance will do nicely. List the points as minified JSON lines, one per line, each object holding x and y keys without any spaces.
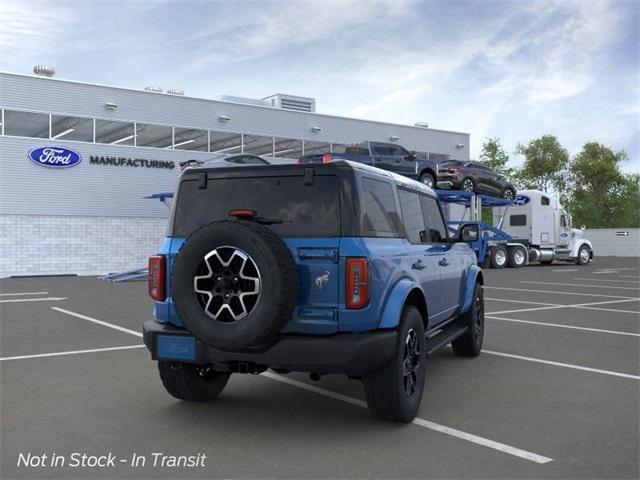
{"x":628,"y":276}
{"x":20,"y":300}
{"x":23,"y":293}
{"x":588,"y":306}
{"x":72,"y":352}
{"x":581,"y":285}
{"x":517,"y":301}
{"x":556,"y":292}
{"x":517,"y":452}
{"x":604,"y":280}
{"x":99,"y":322}
{"x":545,"y":324}
{"x":567,"y":270}
{"x":564,"y":365}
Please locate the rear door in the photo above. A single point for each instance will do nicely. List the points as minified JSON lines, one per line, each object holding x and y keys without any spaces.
{"x":444,"y":257}
{"x":422,"y":262}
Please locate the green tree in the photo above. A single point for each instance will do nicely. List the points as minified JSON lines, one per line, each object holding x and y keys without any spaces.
{"x":494,"y":156}
{"x":600,"y":195}
{"x":545,"y":164}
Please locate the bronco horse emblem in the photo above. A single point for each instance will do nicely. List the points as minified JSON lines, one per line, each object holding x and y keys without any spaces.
{"x":322,"y":280}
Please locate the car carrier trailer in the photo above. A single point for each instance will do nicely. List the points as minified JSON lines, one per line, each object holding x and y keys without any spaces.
{"x":532,"y":228}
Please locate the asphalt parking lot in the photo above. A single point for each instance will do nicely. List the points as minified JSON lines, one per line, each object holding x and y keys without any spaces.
{"x":555,"y":393}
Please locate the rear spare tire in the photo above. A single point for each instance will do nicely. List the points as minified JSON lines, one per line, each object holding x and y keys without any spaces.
{"x":234,"y":284}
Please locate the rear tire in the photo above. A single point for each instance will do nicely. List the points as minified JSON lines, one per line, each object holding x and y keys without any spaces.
{"x":468,"y":185}
{"x":394,"y":391}
{"x":470,"y":344}
{"x":194,"y":383}
{"x":517,"y":257}
{"x":428,"y":179}
{"x":498,"y":256}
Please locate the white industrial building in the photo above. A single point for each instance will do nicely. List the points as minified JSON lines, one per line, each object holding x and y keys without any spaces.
{"x":91,"y":218}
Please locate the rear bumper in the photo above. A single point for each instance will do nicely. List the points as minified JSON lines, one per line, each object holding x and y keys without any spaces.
{"x":351,"y":353}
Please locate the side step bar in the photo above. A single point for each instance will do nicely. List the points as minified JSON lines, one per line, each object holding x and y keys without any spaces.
{"x":443,"y":338}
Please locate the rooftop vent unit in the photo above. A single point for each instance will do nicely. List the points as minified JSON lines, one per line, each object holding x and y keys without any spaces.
{"x":153,"y":88}
{"x":44,"y":71}
{"x":175,"y":91}
{"x":291,"y":102}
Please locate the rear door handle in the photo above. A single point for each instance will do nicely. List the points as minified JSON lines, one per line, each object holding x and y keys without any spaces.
{"x":444,"y":262}
{"x":418,"y":265}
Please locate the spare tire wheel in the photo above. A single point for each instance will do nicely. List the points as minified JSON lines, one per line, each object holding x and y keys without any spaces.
{"x":234,"y":284}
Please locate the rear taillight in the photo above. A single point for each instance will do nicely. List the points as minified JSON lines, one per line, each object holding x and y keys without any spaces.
{"x":454,"y":170}
{"x":326,"y":158}
{"x":156,"y":278}
{"x":357,"y":294}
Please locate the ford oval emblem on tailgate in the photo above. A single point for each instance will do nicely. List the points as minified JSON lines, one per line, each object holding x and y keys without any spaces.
{"x":55,"y":157}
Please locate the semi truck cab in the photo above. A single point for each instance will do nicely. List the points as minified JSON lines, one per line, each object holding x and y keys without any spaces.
{"x":538,"y":221}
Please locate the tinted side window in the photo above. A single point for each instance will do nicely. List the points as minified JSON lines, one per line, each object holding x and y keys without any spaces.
{"x":518,"y":220}
{"x":412,"y":215}
{"x":544,"y":201}
{"x":380,"y":215}
{"x":436,"y":230}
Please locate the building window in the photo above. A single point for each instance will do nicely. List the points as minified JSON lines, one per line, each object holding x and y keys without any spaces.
{"x":225,"y":143}
{"x":190,"y":139}
{"x":71,"y":128}
{"x":258,"y":145}
{"x":157,"y":136}
{"x":287,"y":148}
{"x":114,"y":133}
{"x":338,"y":148}
{"x":316,"y":148}
{"x":26,"y":124}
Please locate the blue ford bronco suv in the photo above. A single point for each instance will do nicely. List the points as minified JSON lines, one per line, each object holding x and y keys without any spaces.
{"x":328,"y":268}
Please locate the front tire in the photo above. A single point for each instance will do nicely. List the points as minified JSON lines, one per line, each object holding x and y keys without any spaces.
{"x":194,"y":383}
{"x":394,"y":391}
{"x":508,"y":194}
{"x":470,"y":344}
{"x":584,"y":255}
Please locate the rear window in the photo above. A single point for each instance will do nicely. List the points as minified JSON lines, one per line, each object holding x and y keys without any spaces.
{"x":306,"y":210}
{"x":357,"y":151}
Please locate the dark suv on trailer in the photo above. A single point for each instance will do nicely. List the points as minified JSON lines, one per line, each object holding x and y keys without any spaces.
{"x":475,"y":177}
{"x":330,"y":268}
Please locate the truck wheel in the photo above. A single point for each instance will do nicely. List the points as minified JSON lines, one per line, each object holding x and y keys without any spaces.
{"x":468,"y":185}
{"x":498,"y":256}
{"x":584,"y":255}
{"x":194,"y":383}
{"x":394,"y":391}
{"x":428,"y":180}
{"x":517,"y":257}
{"x":234,"y":284}
{"x":470,"y":344}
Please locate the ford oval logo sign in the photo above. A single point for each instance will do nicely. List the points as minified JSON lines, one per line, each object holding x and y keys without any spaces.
{"x":177,"y":348}
{"x":55,"y":157}
{"x":521,"y":200}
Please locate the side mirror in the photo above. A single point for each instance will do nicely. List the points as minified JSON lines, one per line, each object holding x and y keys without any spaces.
{"x":469,"y":232}
{"x":411,"y":157}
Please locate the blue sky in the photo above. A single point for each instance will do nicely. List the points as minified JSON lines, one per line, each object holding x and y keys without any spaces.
{"x":514,"y":69}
